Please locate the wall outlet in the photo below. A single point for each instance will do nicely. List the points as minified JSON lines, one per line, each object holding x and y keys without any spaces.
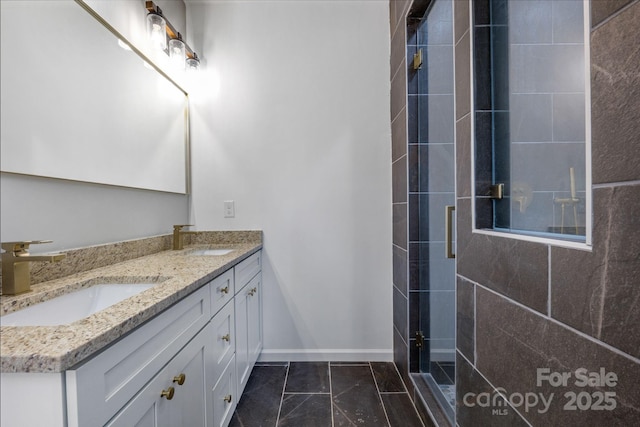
{"x":229,"y":209}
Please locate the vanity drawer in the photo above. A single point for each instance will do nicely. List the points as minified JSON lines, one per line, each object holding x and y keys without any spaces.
{"x":247,"y":269}
{"x":222,"y":290}
{"x":98,"y":389}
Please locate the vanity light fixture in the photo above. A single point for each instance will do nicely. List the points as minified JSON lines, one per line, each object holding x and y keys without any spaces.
{"x":157,"y":30}
{"x":158,"y":27}
{"x":193,"y":63}
{"x":177,"y":52}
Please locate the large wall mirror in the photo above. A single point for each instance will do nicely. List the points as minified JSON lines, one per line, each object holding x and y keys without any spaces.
{"x":77,"y":105}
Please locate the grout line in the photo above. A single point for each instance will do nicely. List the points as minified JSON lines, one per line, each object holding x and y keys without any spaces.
{"x":494,"y":388}
{"x":395,"y":367}
{"x":419,"y":395}
{"x":563,"y":325}
{"x":612,"y":16}
{"x":302,"y":393}
{"x":605,"y":269}
{"x":549,"y":281}
{"x":284,"y":387}
{"x":331,"y":393}
{"x":453,"y":382}
{"x":401,"y":336}
{"x":616,"y":184}
{"x":464,"y":116}
{"x":475,"y":324}
{"x":375,"y":382}
{"x":404,"y":157}
{"x":394,"y":73}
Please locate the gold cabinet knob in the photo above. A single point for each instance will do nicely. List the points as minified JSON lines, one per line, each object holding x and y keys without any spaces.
{"x":168,"y":393}
{"x":225,"y":290}
{"x":227,"y":398}
{"x":226,"y":338}
{"x":179,"y":379}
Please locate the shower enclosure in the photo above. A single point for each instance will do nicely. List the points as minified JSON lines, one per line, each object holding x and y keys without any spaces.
{"x":431,"y":180}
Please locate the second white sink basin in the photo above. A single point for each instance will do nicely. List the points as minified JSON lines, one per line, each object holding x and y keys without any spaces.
{"x":211,"y":252}
{"x":74,"y":306}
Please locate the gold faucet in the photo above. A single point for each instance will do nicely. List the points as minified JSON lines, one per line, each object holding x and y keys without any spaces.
{"x":178,"y":244}
{"x":15,"y":265}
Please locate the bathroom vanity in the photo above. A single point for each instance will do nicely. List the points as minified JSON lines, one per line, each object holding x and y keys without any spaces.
{"x":179,"y":353}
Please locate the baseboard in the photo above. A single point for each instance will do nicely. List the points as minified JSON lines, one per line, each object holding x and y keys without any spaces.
{"x":326,"y":355}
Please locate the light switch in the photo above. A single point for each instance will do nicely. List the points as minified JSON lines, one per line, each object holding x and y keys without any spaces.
{"x":229,"y":209}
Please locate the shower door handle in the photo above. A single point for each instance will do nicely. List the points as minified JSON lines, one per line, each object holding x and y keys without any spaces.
{"x":448,"y":230}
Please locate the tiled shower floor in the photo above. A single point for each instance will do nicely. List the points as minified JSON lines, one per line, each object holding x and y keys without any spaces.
{"x":321,"y":394}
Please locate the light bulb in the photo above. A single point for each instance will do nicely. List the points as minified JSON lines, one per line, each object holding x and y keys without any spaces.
{"x":157,"y":31}
{"x":177,"y":53}
{"x":193,"y":64}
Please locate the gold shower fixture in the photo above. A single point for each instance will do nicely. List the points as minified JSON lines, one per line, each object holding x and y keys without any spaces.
{"x":571,"y":201}
{"x":417,"y":60}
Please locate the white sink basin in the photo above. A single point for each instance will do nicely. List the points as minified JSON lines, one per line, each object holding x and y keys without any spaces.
{"x":74,"y":306}
{"x":211,"y":252}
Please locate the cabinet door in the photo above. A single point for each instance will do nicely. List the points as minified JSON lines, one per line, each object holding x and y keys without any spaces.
{"x":248,"y":329}
{"x":254,"y":319}
{"x":166,"y":402}
{"x":242,"y":338}
{"x":188,"y":406}
{"x":224,"y":396}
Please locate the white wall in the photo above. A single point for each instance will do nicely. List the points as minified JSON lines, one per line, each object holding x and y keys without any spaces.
{"x":290,"y":118}
{"x":76,"y":214}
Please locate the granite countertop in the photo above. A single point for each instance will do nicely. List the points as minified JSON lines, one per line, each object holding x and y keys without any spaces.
{"x":58,"y":348}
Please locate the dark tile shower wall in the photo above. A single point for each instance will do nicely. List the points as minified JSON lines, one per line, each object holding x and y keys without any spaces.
{"x":524,"y":306}
{"x":397,"y":11}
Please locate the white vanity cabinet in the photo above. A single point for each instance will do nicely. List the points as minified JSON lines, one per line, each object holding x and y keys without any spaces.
{"x":187,"y":366}
{"x":248,"y":311}
{"x":209,"y":341}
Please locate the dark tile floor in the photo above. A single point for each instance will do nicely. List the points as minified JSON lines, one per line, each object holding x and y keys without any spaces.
{"x":321,"y":394}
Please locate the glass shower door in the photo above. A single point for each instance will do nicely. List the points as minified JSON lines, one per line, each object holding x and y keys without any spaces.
{"x":431,"y":189}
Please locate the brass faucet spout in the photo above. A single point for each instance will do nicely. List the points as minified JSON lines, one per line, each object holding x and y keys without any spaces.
{"x":16,"y":274}
{"x":178,"y":242}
